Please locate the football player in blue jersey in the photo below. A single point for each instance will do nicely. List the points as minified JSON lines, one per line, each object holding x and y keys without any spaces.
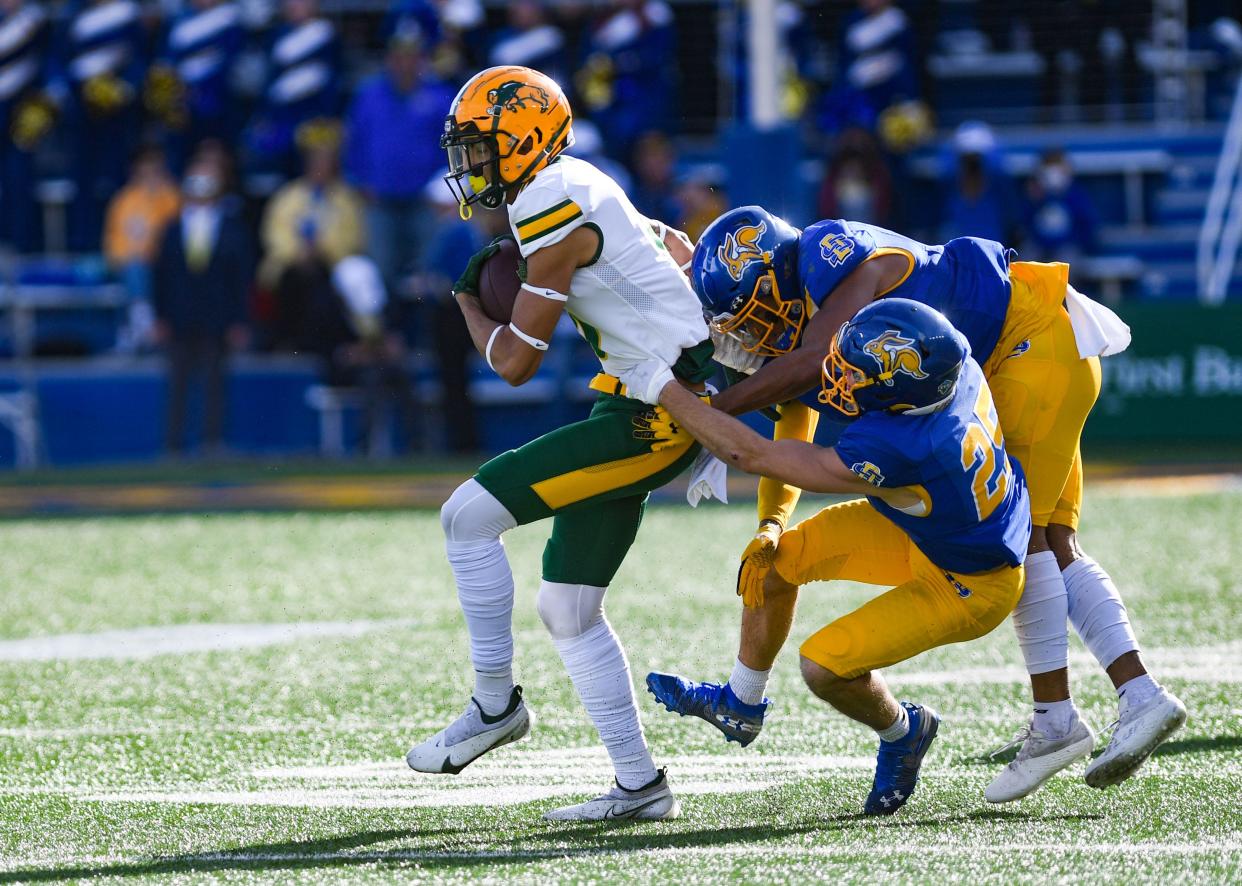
{"x":777,"y":295}
{"x":945,"y":518}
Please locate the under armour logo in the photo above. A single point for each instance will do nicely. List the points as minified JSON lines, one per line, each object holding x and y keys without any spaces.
{"x":734,"y":723}
{"x":889,"y":801}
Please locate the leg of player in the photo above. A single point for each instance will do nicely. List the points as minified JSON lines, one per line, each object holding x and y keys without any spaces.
{"x":737,"y":708}
{"x":581,"y":558}
{"x":597,"y":664}
{"x":906,"y":730}
{"x":1148,"y":712}
{"x":473,"y":520}
{"x":1056,"y":735}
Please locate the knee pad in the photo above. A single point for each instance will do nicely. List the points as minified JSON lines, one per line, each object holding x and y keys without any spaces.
{"x":569,"y":610}
{"x":474,"y":514}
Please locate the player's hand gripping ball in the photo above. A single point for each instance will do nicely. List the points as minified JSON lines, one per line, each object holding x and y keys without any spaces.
{"x":757,"y":559}
{"x":494,"y":275}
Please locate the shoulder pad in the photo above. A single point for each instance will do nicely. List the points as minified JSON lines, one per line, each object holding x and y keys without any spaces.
{"x":828,"y":252}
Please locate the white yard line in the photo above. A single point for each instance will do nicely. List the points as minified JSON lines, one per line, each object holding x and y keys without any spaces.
{"x":147,"y":642}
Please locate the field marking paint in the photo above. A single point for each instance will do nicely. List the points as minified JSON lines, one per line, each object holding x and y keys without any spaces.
{"x":148,"y":642}
{"x":767,"y":850}
{"x":509,"y":779}
{"x":1219,"y":663}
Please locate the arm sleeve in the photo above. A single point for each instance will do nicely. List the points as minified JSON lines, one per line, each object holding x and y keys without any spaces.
{"x":545,"y":214}
{"x":776,"y":500}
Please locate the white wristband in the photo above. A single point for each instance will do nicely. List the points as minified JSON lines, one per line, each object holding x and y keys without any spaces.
{"x":487,"y":353}
{"x":537,"y":344}
{"x":544,"y":292}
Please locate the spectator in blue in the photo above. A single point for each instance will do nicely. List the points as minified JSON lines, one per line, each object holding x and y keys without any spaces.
{"x":303,"y":81}
{"x":191,"y":88}
{"x":628,"y":82}
{"x":102,"y":66}
{"x":877,"y":66}
{"x":797,"y":58}
{"x":655,"y":180}
{"x":449,"y":30}
{"x":530,"y":40}
{"x":981,"y":201}
{"x":26,"y":116}
{"x":393,"y":149}
{"x":1060,"y":218}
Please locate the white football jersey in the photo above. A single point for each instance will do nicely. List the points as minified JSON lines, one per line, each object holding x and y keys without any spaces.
{"x":633,"y":302}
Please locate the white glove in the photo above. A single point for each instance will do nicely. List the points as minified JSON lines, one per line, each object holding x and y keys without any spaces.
{"x":729,"y":352}
{"x":644,"y":381}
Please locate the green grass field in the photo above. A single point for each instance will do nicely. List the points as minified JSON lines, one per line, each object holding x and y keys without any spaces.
{"x":242,"y":689}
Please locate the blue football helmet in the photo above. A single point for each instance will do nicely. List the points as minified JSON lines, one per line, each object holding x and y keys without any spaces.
{"x":895,"y":355}
{"x":745,"y":271}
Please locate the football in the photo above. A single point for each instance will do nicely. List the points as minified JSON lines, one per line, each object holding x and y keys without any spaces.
{"x":499,"y":282}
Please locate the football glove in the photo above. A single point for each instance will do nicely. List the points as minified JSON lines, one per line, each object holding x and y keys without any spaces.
{"x":468,"y":282}
{"x":657,"y":427}
{"x":757,"y":559}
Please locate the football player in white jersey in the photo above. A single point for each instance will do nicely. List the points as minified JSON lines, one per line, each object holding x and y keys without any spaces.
{"x":588,"y":252}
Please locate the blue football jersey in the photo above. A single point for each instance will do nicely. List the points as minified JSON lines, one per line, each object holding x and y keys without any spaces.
{"x":966,"y":279}
{"x":974,"y":514}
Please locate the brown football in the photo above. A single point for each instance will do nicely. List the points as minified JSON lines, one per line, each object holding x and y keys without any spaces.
{"x":499,"y":282}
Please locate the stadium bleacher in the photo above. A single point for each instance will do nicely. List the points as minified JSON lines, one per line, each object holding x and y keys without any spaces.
{"x":1149,"y":180}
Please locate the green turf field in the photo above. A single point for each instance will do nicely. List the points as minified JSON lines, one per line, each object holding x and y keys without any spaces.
{"x":243,"y":689}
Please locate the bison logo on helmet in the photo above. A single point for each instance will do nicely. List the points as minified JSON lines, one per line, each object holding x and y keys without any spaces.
{"x":513,"y":96}
{"x":741,"y":247}
{"x":895,"y":353}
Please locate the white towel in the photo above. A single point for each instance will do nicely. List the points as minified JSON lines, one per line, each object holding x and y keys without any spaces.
{"x":1097,"y":330}
{"x":708,"y":479}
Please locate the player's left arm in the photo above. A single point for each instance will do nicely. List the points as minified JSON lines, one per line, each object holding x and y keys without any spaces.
{"x":793,"y":462}
{"x":516,"y":350}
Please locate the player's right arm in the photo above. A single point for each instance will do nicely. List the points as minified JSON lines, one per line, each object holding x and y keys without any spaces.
{"x":515,"y":350}
{"x":789,"y":376}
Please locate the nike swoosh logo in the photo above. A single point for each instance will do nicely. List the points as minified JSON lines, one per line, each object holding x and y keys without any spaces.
{"x":448,"y":768}
{"x":630,"y":813}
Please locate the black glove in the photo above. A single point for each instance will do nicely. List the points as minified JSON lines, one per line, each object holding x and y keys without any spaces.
{"x":469,"y":279}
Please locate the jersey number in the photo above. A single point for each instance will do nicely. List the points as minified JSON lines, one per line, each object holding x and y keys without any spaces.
{"x":983,"y":456}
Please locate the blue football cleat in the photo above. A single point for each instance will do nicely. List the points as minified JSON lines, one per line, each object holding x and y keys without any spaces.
{"x":716,"y":704}
{"x":898,"y":762}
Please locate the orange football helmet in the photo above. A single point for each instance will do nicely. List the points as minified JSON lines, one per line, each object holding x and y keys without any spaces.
{"x":505,"y":125}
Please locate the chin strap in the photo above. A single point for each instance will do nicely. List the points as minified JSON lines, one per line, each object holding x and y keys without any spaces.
{"x":464,"y":211}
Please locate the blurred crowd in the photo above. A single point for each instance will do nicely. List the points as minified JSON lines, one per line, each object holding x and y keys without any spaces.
{"x":257,"y":178}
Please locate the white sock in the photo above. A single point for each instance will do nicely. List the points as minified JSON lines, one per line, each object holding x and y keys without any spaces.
{"x":485,"y":590}
{"x":1138,"y":690}
{"x":1054,"y":718}
{"x":747,"y":683}
{"x":899,"y":729}
{"x":601,"y":674}
{"x":1039,"y":618}
{"x":1097,"y":613}
{"x":493,"y":691}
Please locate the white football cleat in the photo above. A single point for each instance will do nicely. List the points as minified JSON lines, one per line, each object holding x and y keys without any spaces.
{"x":1039,"y":758}
{"x":471,"y":736}
{"x":1140,"y":730}
{"x":651,"y":802}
